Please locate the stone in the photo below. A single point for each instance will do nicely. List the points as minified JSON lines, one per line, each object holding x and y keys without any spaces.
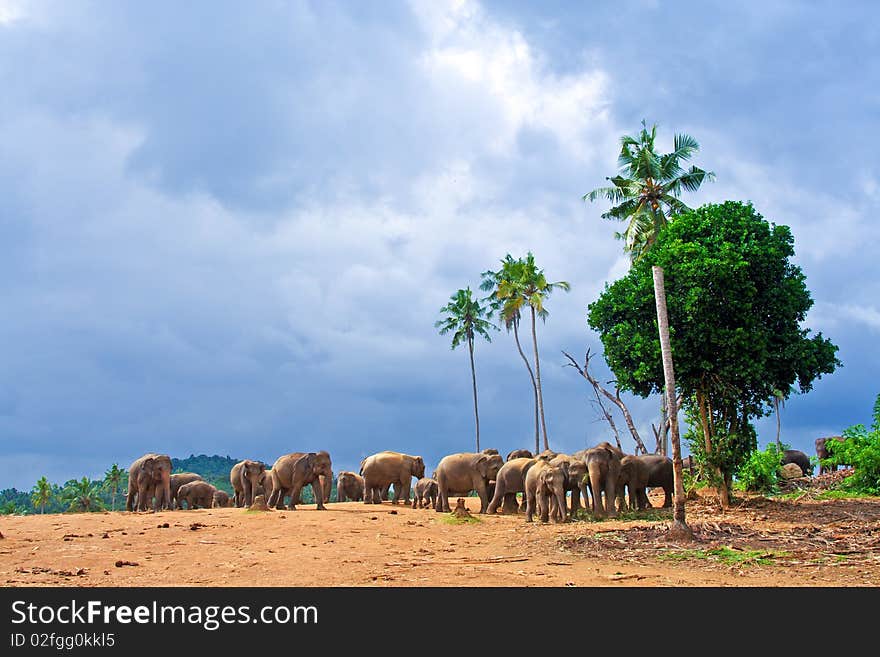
{"x":792,"y":471}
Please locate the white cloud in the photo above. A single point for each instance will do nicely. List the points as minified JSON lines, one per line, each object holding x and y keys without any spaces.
{"x":10,"y":11}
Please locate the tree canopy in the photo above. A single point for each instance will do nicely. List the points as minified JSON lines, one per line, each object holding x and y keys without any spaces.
{"x":736,"y":306}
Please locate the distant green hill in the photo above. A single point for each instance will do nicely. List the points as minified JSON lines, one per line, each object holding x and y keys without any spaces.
{"x":215,"y":469}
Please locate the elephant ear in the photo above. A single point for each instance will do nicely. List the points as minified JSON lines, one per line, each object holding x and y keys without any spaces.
{"x":481,"y":464}
{"x":147,"y":464}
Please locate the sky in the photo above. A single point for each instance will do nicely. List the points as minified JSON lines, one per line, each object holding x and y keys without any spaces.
{"x":228,"y":228}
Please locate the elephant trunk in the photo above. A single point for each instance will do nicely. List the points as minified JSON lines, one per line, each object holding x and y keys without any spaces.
{"x":596,"y":485}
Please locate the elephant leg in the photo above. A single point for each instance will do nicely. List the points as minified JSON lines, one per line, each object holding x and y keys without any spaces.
{"x":443,"y":500}
{"x":560,"y":496}
{"x":510,"y":506}
{"x":575,"y":501}
{"x":667,"y":498}
{"x":530,"y":505}
{"x":596,"y":488}
{"x":318,"y":492}
{"x":484,"y":495}
{"x":610,"y":496}
{"x":496,"y":499}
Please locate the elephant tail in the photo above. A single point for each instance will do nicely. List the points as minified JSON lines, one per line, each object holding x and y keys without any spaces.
{"x":361,"y":471}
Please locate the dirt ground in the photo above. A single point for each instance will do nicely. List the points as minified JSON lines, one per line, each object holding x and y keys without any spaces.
{"x":758,"y":542}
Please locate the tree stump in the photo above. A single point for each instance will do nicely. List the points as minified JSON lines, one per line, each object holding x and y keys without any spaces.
{"x":259,"y":504}
{"x":460,"y":510}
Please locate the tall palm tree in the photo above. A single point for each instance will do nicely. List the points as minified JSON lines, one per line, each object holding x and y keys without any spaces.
{"x":112,"y":481}
{"x":646,"y":190}
{"x":82,"y":495}
{"x":535,"y":289}
{"x":41,"y":494}
{"x":508,"y":302}
{"x":466,"y":318}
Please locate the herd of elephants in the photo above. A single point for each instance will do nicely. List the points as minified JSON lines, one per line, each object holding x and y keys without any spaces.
{"x":551,"y":483}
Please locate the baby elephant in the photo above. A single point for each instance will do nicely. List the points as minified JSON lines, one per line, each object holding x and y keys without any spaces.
{"x":425,"y":494}
{"x":197,"y":495}
{"x":221,"y":499}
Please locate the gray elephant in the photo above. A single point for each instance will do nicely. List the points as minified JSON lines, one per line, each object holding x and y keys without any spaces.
{"x":178,"y":479}
{"x":459,"y":474}
{"x":265,"y":486}
{"x":822,"y":453}
{"x":575,"y":470}
{"x":603,"y":467}
{"x":293,"y":471}
{"x":221,"y":499}
{"x":196,"y":495}
{"x":425,"y":494}
{"x":245,"y":477}
{"x":798,"y":457}
{"x":149,"y":483}
{"x":510,"y":480}
{"x":382,"y":469}
{"x":519,"y":454}
{"x":545,"y":491}
{"x":349,"y":486}
{"x":638,"y":473}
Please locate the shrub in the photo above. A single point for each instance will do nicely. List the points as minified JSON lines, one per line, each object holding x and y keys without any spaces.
{"x":761,"y":471}
{"x":861,"y":450}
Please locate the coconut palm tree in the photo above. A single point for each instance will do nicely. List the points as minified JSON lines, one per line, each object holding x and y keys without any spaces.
{"x":112,"y":481}
{"x":534,"y":288}
{"x":507,"y":300}
{"x":41,"y":494}
{"x":82,"y":495}
{"x":466,"y":318}
{"x":646,"y":190}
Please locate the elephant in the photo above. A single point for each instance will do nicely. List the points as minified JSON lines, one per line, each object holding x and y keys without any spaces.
{"x":196,"y":494}
{"x":637,"y":473}
{"x":822,"y":453}
{"x":545,"y":490}
{"x":293,"y":471}
{"x":547,"y":455}
{"x":575,"y":470}
{"x":221,"y":499}
{"x":349,"y":486}
{"x":149,"y":477}
{"x":510,"y":480}
{"x":265,"y":486}
{"x":425,"y":494}
{"x":689,"y":463}
{"x":490,"y":451}
{"x":520,"y":454}
{"x":245,"y":476}
{"x":178,"y":479}
{"x":798,"y":457}
{"x":603,"y":467}
{"x":459,"y":474}
{"x":382,"y":469}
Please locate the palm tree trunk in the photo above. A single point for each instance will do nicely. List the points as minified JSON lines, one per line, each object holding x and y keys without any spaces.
{"x":778,"y":425}
{"x":538,"y":380}
{"x":679,"y":525}
{"x":531,"y":376}
{"x":474,"y":382}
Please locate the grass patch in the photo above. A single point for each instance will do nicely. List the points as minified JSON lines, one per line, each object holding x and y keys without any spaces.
{"x":727,"y":555}
{"x":449,"y":519}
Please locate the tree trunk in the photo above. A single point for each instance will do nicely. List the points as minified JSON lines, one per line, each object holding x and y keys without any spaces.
{"x":702,"y":403}
{"x":474,"y":382}
{"x":778,"y":425}
{"x":538,"y":380}
{"x":679,"y":527}
{"x":531,"y":376}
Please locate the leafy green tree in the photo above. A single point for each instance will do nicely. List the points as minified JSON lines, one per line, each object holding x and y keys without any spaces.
{"x":507,"y":300}
{"x":41,"y":494}
{"x":466,"y":318}
{"x":646,"y":190}
{"x":9,"y":508}
{"x":112,"y":480}
{"x":736,"y":306}
{"x":82,"y":495}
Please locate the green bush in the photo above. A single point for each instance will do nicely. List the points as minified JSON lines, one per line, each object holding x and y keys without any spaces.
{"x":761,"y":471}
{"x":861,"y":450}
